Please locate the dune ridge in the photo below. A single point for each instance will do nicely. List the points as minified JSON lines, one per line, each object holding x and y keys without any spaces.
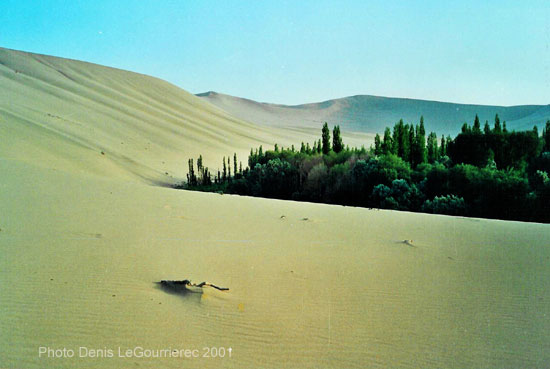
{"x":145,"y":127}
{"x":372,"y":114}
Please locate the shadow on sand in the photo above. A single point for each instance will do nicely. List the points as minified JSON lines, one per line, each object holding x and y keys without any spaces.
{"x":179,"y":288}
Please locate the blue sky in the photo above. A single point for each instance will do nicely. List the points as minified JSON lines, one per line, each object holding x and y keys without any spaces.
{"x":291,"y":52}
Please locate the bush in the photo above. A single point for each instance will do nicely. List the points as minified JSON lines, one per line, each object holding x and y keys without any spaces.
{"x":450,"y":205}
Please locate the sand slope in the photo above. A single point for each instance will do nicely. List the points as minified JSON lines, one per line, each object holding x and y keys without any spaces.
{"x":364,"y":113}
{"x":63,"y":114}
{"x":83,"y":238}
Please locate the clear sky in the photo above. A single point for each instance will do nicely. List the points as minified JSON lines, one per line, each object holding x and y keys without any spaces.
{"x":291,"y":52}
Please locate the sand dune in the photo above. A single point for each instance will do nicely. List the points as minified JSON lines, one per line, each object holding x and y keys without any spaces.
{"x":64,"y":114}
{"x":364,"y":113}
{"x":84,"y":237}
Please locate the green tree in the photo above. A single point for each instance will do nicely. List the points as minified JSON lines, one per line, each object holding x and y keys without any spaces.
{"x":486,"y":128}
{"x":199,"y":164}
{"x":443,"y":147}
{"x":401,"y":140}
{"x":546,"y":136}
{"x":229,"y":167}
{"x":191,"y":177}
{"x":234,"y":163}
{"x":497,"y":129}
{"x":413,"y":147}
{"x":377,"y":145}
{"x":387,"y":144}
{"x":326,"y":139}
{"x":395,"y":137}
{"x":419,"y":151}
{"x":406,"y":148}
{"x":477,"y":126}
{"x":432,"y":147}
{"x":337,"y":144}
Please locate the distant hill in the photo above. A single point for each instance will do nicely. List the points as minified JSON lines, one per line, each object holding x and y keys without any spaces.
{"x":364,"y":113}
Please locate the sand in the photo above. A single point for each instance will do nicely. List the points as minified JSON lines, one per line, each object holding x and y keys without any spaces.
{"x":367,"y":113}
{"x":85,"y":236}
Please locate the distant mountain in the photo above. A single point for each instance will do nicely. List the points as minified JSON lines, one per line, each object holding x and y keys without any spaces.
{"x":364,"y":113}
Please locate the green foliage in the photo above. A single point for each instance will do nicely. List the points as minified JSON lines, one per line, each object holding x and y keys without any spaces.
{"x":476,"y":129}
{"x":387,"y":144}
{"x":546,"y":137}
{"x":497,"y":128}
{"x":443,"y":147}
{"x":505,"y":148}
{"x":326,"y":139}
{"x":450,"y":205}
{"x":337,"y":144}
{"x":496,"y":174}
{"x":433,"y":153}
{"x":377,"y":145}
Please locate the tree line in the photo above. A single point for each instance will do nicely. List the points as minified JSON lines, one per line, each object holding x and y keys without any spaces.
{"x":490,"y":173}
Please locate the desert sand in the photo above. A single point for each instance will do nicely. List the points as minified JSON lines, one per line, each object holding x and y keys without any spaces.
{"x":89,"y":224}
{"x":366,"y":113}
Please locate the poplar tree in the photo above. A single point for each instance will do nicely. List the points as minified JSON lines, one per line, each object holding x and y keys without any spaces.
{"x":421,"y":141}
{"x":224,"y":176}
{"x":486,"y":128}
{"x":337,"y":144}
{"x":443,"y":147}
{"x":191,"y":178}
{"x":200,"y":170}
{"x":477,"y":126}
{"x":413,"y":147}
{"x":404,"y":143}
{"x":326,"y":139}
{"x":377,"y":145}
{"x":432,"y":147}
{"x":387,"y":144}
{"x":497,"y":129}
{"x":228,"y":168}
{"x":546,"y":136}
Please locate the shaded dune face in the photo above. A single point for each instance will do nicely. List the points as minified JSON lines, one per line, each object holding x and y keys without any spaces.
{"x":84,"y":237}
